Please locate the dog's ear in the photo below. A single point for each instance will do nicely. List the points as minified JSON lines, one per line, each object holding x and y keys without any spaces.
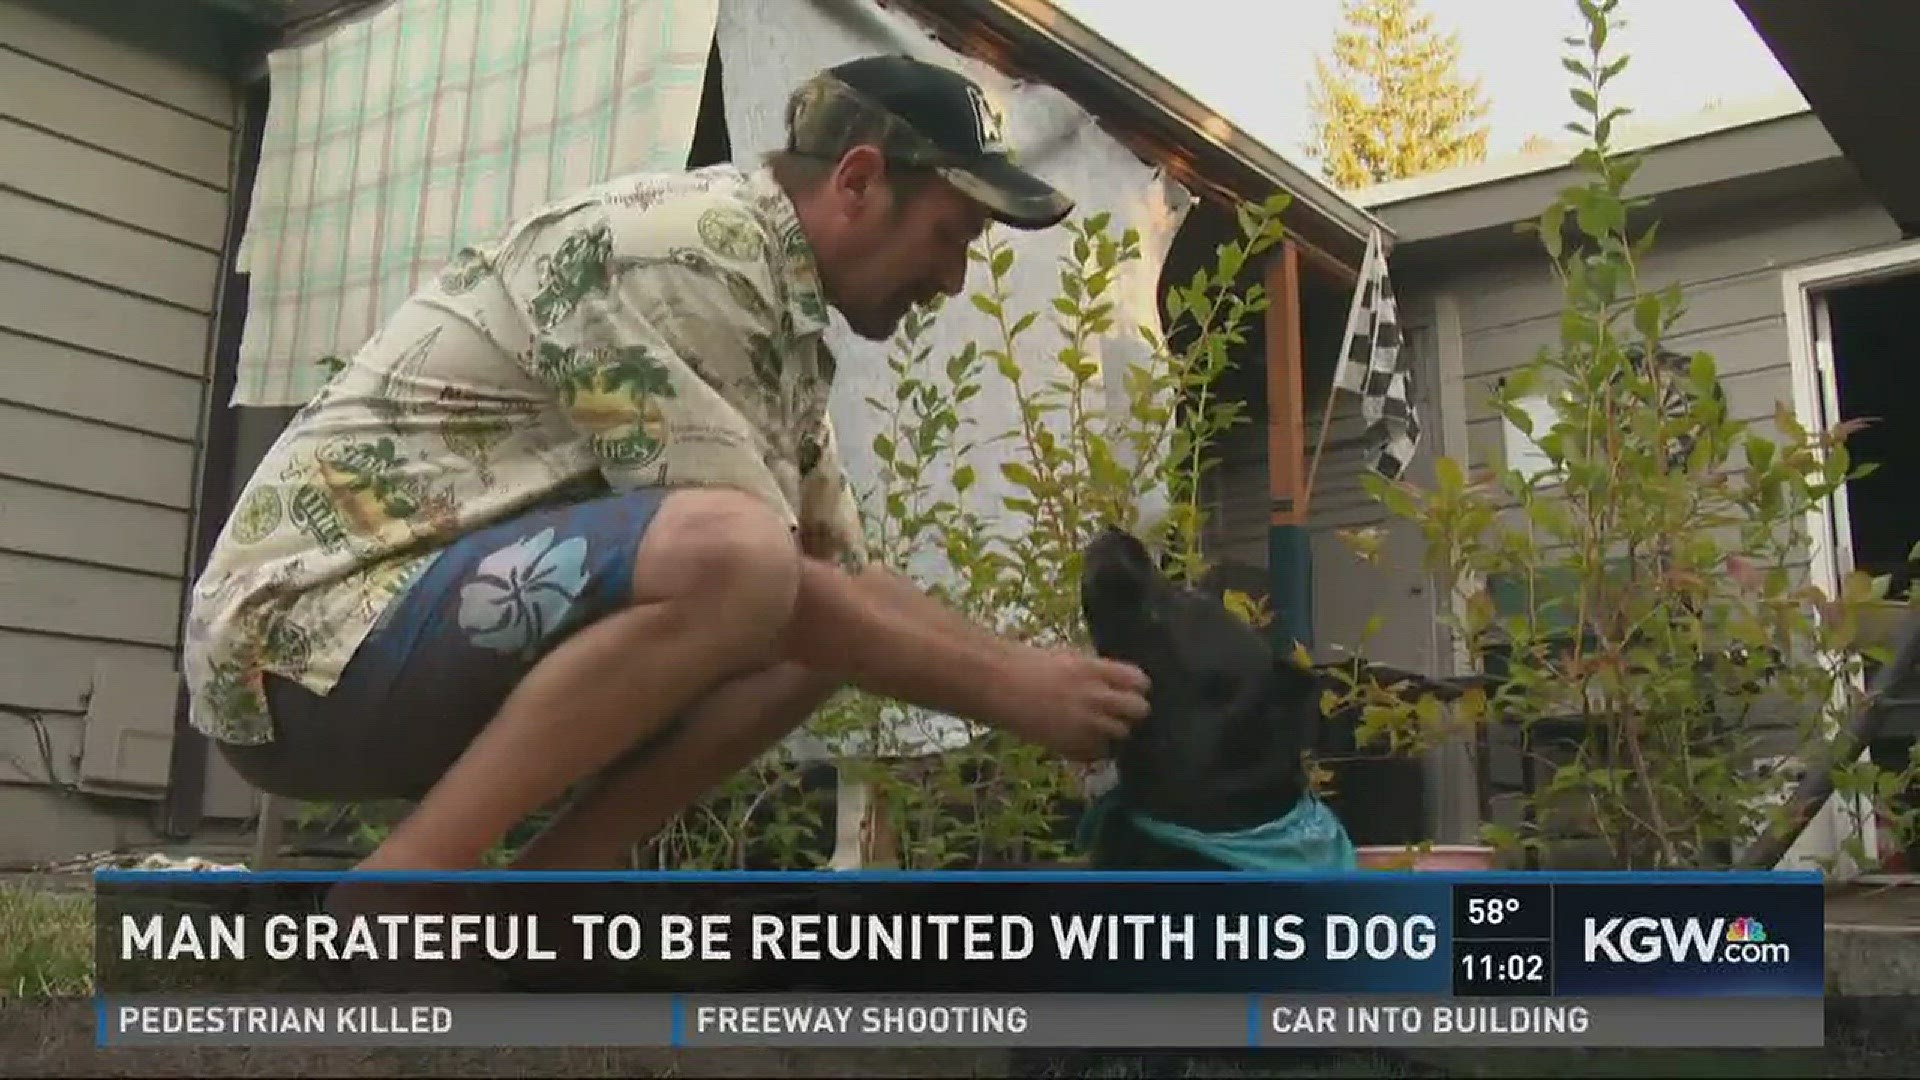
{"x":1294,"y":702}
{"x":1292,"y":663}
{"x":1295,"y":685}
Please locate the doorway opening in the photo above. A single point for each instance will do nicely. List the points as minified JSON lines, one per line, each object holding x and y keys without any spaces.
{"x":1869,"y":330}
{"x":1861,"y":330}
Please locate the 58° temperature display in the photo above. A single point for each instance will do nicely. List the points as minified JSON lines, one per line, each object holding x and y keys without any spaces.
{"x":1491,"y":910}
{"x":1502,"y":940}
{"x":1502,"y":912}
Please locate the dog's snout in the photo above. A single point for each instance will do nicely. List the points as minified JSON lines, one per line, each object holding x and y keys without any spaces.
{"x":1117,"y":558}
{"x":1117,"y":590}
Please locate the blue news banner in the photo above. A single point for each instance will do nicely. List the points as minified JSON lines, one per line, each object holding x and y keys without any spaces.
{"x":1058,"y":959}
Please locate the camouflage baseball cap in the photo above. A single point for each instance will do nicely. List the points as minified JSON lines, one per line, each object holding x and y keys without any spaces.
{"x":928,"y":116}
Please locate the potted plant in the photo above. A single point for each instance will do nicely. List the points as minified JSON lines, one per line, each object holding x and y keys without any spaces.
{"x":1638,"y":600}
{"x":1373,"y":753}
{"x":1370,"y":771}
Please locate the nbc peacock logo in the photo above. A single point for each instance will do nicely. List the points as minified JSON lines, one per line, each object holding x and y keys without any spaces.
{"x":1747,"y":943}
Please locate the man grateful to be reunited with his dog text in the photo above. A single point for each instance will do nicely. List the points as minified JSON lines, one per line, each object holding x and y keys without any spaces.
{"x":575,"y":516}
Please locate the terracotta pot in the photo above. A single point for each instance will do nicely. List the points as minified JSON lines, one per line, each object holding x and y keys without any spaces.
{"x":1437,"y":857}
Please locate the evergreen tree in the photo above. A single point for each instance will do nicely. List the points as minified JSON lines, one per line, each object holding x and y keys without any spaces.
{"x":1392,"y":103}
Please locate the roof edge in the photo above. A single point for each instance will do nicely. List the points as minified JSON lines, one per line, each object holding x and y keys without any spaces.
{"x":1206,"y":122}
{"x":1780,"y":110}
{"x":1199,"y":124}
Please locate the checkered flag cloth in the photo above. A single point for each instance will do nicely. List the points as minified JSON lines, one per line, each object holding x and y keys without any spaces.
{"x":1370,"y":367}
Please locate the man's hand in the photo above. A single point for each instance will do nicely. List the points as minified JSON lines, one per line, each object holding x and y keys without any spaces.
{"x":878,"y":632}
{"x":1072,"y":703}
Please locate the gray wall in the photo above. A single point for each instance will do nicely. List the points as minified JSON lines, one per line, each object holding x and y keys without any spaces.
{"x":1737,"y":207}
{"x":1727,"y":254}
{"x":1346,"y":592}
{"x":115,"y":164}
{"x":1731,"y":270}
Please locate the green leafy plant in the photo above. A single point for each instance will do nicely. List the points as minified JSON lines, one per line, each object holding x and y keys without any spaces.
{"x":1645,"y":590}
{"x":1071,"y":466}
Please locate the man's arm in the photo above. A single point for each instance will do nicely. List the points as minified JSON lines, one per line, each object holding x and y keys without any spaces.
{"x":877,"y":631}
{"x":897,"y":643}
{"x":869,"y":625}
{"x":896,"y":590}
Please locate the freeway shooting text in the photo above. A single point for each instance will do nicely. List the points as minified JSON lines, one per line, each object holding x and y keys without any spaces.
{"x":867,"y":1019}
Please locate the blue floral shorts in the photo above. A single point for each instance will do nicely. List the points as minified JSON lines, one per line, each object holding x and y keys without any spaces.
{"x":447,"y":652}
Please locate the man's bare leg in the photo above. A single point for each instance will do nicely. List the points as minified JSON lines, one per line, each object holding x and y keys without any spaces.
{"x":721,"y":590}
{"x":722,"y":734}
{"x":714,"y":582}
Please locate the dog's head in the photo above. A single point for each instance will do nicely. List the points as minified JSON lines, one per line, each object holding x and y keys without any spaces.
{"x":1222,"y":747}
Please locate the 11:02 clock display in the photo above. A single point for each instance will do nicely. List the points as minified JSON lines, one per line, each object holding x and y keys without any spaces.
{"x":1513,"y":967}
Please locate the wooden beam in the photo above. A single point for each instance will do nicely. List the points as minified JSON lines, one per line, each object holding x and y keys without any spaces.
{"x":1222,"y":195}
{"x":1332,"y":267}
{"x":1286,"y":390}
{"x":864,"y":836}
{"x":1289,"y":547}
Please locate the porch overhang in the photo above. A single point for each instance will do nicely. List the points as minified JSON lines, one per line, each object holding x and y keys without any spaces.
{"x":1033,"y":39}
{"x":1854,"y":63}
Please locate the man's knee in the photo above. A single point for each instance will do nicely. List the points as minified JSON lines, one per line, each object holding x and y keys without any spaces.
{"x":722,"y":548}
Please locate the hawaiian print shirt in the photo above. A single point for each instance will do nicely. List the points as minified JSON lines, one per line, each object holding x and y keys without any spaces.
{"x":655,"y":331}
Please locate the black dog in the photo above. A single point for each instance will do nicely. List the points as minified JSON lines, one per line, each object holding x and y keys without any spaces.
{"x":1223,"y":749}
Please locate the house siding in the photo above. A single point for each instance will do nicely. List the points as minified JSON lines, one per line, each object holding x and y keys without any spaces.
{"x":114,"y":173}
{"x":1468,"y":323}
{"x":1731,"y":273}
{"x":1236,"y":497}
{"x":1730,"y":269}
{"x":1346,"y":592}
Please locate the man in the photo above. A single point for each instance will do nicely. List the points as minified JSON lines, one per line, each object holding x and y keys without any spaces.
{"x":575,"y":517}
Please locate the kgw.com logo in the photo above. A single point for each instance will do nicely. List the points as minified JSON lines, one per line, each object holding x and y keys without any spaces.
{"x":1645,"y":940}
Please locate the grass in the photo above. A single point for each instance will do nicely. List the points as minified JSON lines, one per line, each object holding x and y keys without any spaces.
{"x":48,"y":942}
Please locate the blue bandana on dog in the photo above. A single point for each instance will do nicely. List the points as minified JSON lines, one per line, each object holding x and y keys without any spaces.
{"x":1308,"y":839}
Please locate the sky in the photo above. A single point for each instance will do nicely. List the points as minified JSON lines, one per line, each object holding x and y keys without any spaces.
{"x":1251,"y":60}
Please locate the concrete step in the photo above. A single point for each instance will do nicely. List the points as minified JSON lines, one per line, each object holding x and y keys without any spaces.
{"x":1873,"y":937}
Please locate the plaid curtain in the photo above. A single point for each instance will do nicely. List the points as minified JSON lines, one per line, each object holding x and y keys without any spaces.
{"x":395,"y":139}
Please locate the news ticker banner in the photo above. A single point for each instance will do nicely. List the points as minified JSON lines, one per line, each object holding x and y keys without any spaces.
{"x":1117,"y":1021}
{"x":960,"y":959}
